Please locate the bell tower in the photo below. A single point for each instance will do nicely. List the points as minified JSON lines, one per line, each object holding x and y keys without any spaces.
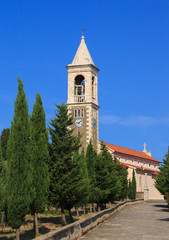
{"x":83,"y":95}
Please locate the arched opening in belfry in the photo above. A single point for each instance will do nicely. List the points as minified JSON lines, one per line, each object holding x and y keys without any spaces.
{"x":79,"y":89}
{"x":93,"y":87}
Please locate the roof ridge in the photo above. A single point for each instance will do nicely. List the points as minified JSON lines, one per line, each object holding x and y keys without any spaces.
{"x":131,"y":152}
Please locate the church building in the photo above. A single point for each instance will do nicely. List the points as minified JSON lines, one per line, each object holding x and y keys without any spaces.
{"x":83,"y":104}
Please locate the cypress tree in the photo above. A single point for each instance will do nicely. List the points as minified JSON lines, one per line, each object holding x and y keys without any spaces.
{"x":2,"y":187}
{"x":40,"y":157}
{"x":133,"y":186}
{"x":78,"y":183}
{"x":62,"y":148}
{"x":102,"y":182}
{"x":162,"y":180}
{"x":122,"y":177}
{"x":19,"y":177}
{"x":115,"y":181}
{"x":130,"y":190}
{"x":4,"y":141}
{"x":90,"y":160}
{"x":1,"y":182}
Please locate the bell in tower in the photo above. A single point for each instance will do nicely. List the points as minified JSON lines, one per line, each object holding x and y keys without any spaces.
{"x":83,"y":95}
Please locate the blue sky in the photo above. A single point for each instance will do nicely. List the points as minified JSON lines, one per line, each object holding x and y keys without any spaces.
{"x":128,"y":41}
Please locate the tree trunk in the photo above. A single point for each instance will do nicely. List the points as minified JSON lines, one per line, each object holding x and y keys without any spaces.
{"x":63,"y":216}
{"x":70,"y":215}
{"x":94,"y":210}
{"x":90,"y":206}
{"x":18,"y":233}
{"x":98,"y":206}
{"x":48,"y":208}
{"x":84,"y":209}
{"x":36,"y":225}
{"x":77,"y":211}
{"x":3,"y":220}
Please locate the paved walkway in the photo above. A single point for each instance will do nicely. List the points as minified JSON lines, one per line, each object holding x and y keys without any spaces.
{"x":143,"y":221}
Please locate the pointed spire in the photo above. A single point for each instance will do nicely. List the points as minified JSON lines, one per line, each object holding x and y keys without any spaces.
{"x":82,"y":56}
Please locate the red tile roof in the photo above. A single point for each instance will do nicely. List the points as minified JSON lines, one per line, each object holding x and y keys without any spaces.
{"x":146,"y":169}
{"x":130,"y":152}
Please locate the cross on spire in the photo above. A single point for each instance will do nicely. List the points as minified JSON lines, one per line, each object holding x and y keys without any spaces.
{"x":145,"y":146}
{"x":82,"y":31}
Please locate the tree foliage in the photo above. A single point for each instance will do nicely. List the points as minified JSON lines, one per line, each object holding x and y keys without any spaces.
{"x":40,"y":158}
{"x":91,"y":160}
{"x":121,"y":171}
{"x":62,"y":166}
{"x":1,"y":182}
{"x":162,"y":181}
{"x":133,"y":186}
{"x":19,"y":178}
{"x":4,"y":141}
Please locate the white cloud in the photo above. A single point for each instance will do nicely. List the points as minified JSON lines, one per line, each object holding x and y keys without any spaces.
{"x":134,"y":121}
{"x":109,"y":119}
{"x":142,"y":121}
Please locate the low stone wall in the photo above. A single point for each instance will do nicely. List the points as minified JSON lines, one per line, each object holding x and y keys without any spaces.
{"x":140,"y":195}
{"x":77,"y":229}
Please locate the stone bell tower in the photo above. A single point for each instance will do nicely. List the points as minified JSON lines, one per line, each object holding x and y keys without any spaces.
{"x":83,"y":95}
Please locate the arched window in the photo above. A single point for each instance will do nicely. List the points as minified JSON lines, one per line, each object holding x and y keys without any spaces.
{"x":93,"y":87}
{"x":79,"y":89}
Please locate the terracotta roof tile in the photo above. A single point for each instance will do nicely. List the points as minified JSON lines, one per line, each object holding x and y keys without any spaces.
{"x":128,"y":151}
{"x":137,"y":167}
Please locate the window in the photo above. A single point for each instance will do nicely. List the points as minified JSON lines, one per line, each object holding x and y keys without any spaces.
{"x":78,"y":134}
{"x":154,"y":165}
{"x":126,"y":160}
{"x":75,"y":113}
{"x":82,"y":112}
{"x":132,"y":161}
{"x":144,"y":164}
{"x":79,"y":113}
{"x":138,"y":162}
{"x":119,"y":159}
{"x":93,"y":87}
{"x":149,"y":165}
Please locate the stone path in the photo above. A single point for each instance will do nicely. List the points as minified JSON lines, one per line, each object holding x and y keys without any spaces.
{"x":143,"y":221}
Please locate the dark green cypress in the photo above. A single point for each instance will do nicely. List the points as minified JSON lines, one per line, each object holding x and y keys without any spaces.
{"x":121,"y":173}
{"x":115,"y":181}
{"x":103,"y":182}
{"x":62,"y":148}
{"x":1,"y":182}
{"x":90,"y":160}
{"x":3,"y":167}
{"x":162,"y":181}
{"x":133,"y":186}
{"x":40,"y":157}
{"x":19,"y":177}
{"x":130,"y":190}
{"x":4,"y":141}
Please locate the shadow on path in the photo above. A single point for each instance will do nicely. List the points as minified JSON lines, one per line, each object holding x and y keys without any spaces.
{"x":164,"y":219}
